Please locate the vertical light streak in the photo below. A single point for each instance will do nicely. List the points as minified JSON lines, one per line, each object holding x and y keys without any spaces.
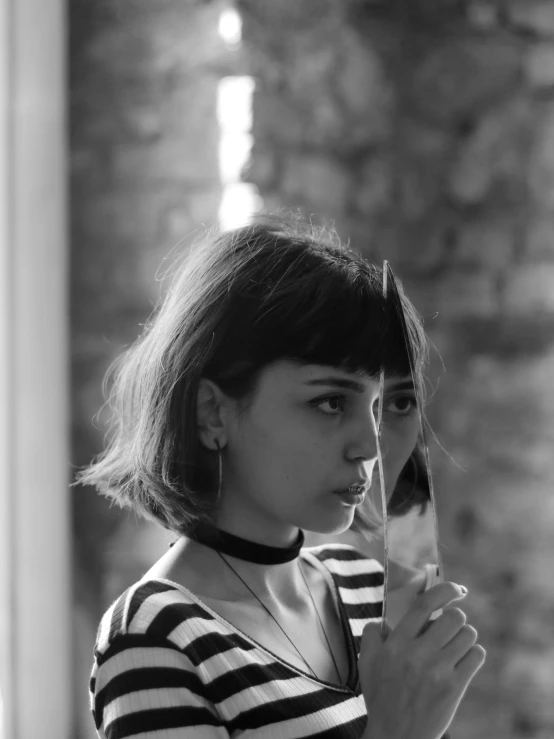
{"x":234,"y":112}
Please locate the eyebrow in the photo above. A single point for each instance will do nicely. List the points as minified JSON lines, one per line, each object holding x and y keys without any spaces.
{"x":358,"y":387}
{"x":338,"y":382}
{"x":405,"y":385}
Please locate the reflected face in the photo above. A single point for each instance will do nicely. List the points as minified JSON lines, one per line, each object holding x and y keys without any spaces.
{"x":309,"y":432}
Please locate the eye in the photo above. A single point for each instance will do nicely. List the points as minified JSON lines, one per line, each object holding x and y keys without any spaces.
{"x":330,"y":405}
{"x":402,"y":405}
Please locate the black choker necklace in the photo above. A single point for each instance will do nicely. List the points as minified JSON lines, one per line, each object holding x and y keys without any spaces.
{"x":236,"y":546}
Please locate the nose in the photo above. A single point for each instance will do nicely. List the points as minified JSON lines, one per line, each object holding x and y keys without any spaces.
{"x":364,"y":440}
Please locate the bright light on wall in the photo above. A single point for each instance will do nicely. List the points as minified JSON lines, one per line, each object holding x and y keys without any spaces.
{"x":234,"y":113}
{"x":234,"y":104}
{"x":230,"y":27}
{"x":238,"y":203}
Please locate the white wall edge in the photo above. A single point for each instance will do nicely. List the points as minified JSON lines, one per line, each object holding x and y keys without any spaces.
{"x":34,"y":449}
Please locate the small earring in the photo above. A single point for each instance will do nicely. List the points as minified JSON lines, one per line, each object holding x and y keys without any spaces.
{"x":220,"y":470}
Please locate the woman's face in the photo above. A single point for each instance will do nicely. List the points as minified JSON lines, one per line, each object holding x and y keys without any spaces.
{"x":309,"y":431}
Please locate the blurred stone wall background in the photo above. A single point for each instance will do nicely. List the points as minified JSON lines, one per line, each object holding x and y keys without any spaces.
{"x":425,"y":129}
{"x":144,"y":177}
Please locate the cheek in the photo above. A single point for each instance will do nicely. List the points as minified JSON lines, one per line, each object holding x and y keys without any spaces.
{"x":282,"y":446}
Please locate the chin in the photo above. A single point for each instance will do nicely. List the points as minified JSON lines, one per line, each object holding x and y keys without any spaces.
{"x":330,"y":527}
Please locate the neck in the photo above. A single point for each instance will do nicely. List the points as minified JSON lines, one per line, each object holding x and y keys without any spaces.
{"x":282,"y":536}
{"x":279,"y":582}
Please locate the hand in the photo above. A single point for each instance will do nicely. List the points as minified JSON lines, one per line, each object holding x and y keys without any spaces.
{"x":414,"y":680}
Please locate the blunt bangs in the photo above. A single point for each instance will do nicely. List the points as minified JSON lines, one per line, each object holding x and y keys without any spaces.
{"x":320,"y":305}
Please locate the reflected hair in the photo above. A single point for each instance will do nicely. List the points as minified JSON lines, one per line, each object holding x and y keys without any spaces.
{"x":279,"y":288}
{"x":412,"y":487}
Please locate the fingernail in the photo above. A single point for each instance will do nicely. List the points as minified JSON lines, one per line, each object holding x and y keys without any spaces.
{"x":464,"y":590}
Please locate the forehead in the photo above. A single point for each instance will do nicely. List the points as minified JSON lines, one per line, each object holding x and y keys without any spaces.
{"x":298,"y":373}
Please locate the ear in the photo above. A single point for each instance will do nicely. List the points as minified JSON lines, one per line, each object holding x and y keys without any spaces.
{"x":210,"y":414}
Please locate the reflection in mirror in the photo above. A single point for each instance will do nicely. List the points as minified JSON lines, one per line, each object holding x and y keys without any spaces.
{"x":433,"y":571}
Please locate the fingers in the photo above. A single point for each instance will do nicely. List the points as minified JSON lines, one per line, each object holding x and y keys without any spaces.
{"x":443,"y":629}
{"x":459,"y":645}
{"x":460,"y":656}
{"x":470,"y":664}
{"x":424,"y":605}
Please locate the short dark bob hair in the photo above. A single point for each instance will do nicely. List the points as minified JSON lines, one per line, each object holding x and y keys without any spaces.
{"x":279,"y":288}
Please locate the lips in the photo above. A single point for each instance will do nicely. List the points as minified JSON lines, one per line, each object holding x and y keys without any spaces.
{"x":358,"y":488}
{"x":353,"y":495}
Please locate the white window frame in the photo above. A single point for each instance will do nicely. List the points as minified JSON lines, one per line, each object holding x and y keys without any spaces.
{"x":35,"y":599}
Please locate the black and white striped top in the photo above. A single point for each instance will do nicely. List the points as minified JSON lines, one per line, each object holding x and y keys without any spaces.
{"x":168,"y":667}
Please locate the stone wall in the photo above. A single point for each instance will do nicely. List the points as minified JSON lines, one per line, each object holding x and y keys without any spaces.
{"x":144,"y":176}
{"x":425,"y":129}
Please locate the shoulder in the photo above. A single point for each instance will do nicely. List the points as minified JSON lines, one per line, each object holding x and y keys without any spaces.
{"x":150,"y":610}
{"x":340,"y":551}
{"x":345,"y":560}
{"x":359,"y":581}
{"x":144,"y":647}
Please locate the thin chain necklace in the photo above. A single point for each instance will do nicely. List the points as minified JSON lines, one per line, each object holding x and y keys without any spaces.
{"x":279,"y":625}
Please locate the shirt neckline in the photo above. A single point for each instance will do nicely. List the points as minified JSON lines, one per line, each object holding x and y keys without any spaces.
{"x":352,"y":678}
{"x":350,"y":685}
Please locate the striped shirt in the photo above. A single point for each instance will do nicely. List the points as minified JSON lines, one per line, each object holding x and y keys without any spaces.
{"x":168,"y":667}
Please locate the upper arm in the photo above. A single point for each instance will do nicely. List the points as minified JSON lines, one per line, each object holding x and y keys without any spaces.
{"x":140,"y":686}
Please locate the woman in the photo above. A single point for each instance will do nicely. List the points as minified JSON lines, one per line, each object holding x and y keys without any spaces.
{"x":244,"y":415}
